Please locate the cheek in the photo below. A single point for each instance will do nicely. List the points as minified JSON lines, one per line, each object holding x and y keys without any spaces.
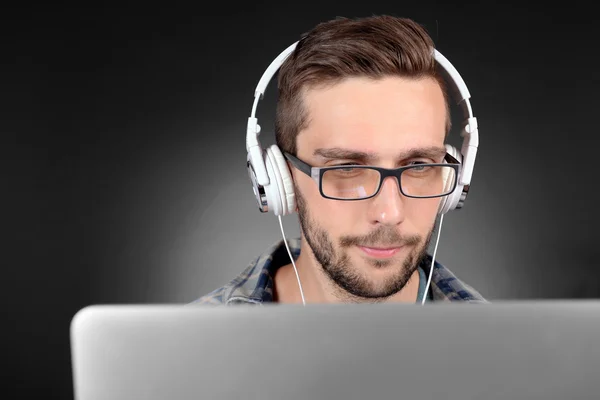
{"x":331,"y":215}
{"x":422,"y":212}
{"x":335,"y":217}
{"x":342,"y":218}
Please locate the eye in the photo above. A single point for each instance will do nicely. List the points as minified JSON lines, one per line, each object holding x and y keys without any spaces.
{"x":421,"y":163}
{"x":350,"y":165}
{"x":415,"y":162}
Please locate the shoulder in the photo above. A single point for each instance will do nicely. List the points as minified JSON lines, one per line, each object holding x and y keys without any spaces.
{"x":215,"y":297}
{"x":242,"y":286}
{"x":446,"y":286}
{"x":254,"y":285}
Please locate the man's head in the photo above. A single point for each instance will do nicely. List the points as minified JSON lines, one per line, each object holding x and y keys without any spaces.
{"x":364,"y":92}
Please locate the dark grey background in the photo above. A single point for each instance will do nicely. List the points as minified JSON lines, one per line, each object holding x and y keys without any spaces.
{"x":123,"y":149}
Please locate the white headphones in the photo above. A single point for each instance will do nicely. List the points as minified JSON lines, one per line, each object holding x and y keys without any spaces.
{"x":271,"y":178}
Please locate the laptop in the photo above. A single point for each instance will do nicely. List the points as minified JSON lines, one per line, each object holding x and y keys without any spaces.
{"x":503,"y":350}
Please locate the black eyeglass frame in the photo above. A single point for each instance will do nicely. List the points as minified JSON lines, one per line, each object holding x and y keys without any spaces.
{"x":316,"y":173}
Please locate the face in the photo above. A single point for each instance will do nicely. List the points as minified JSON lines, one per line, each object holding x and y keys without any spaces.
{"x":370,"y":248}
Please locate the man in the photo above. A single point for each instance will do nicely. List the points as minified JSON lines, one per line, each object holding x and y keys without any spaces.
{"x":361,"y":92}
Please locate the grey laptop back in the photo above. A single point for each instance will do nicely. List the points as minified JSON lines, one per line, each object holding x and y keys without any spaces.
{"x":503,"y":350}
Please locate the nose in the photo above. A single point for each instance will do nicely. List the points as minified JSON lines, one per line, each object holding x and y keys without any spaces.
{"x":388,"y":206}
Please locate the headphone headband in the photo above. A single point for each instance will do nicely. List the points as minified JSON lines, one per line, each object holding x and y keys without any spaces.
{"x":458,"y":86}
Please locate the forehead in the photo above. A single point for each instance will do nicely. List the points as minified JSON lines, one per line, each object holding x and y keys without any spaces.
{"x":385,"y":117}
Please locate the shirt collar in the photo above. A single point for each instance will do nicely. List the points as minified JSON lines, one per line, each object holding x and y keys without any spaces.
{"x":255,"y":284}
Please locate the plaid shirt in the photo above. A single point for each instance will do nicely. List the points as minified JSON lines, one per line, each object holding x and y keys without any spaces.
{"x":255,"y":284}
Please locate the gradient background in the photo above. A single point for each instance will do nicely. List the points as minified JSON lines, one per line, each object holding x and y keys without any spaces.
{"x":124,"y":175}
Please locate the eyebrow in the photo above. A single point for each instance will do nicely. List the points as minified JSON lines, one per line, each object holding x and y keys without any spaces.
{"x":338,"y":153}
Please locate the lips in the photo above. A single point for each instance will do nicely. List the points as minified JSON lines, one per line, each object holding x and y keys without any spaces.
{"x":380,"y":252}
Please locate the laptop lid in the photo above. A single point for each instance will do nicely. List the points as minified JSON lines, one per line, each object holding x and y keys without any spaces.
{"x":503,"y":350}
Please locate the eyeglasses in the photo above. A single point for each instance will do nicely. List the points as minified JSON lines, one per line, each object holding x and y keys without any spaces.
{"x":359,"y":182}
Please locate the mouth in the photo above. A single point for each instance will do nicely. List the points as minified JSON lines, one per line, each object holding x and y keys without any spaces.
{"x":380,"y":252}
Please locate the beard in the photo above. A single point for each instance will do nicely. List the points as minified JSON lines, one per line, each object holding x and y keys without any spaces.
{"x":344,"y":274}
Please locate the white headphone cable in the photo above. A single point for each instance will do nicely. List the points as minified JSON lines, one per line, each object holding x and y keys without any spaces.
{"x":292,"y":258}
{"x":433,"y":260}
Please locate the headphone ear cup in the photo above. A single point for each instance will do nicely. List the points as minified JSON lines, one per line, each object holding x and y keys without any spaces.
{"x":450,"y":202}
{"x":288,"y":198}
{"x":273,"y":190}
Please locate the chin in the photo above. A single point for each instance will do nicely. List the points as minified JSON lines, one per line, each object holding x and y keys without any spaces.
{"x":380,"y":273}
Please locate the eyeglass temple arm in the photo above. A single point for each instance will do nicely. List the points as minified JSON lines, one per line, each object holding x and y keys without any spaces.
{"x":451,"y":159}
{"x":301,"y":165}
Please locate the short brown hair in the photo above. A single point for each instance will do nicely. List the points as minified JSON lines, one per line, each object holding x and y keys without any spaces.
{"x":374,"y":47}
